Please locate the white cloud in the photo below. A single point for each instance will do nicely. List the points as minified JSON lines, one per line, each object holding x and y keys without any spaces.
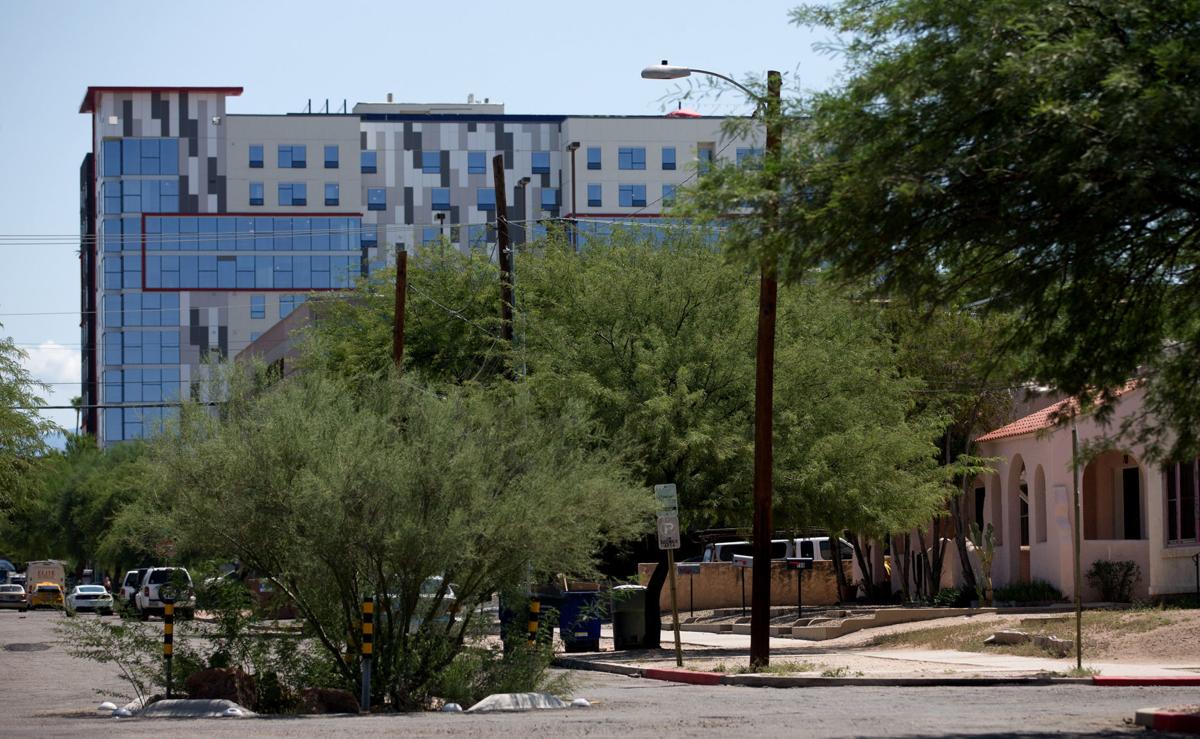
{"x":58,"y":365}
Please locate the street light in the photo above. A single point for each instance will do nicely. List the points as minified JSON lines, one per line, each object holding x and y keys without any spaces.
{"x":764,"y":371}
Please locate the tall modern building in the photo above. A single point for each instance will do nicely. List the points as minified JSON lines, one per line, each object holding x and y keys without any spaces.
{"x":202,"y":229}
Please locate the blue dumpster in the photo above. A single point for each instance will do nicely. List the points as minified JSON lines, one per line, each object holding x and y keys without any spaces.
{"x":579,"y":621}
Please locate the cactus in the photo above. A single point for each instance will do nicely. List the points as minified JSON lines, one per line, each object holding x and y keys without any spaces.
{"x":985,"y":545}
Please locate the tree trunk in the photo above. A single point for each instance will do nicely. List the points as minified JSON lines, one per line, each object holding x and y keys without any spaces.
{"x":653,"y":594}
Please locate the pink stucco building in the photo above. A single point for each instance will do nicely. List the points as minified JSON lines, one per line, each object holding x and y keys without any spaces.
{"x":1132,"y":510}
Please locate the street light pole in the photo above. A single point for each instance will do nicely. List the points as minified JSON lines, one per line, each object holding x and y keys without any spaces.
{"x":764,"y":371}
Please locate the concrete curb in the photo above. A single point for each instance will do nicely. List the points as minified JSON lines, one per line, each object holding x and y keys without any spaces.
{"x":693,"y":677}
{"x":1167,"y":681}
{"x":1169,"y":719}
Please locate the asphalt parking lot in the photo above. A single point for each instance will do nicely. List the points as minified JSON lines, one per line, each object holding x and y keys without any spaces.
{"x":46,"y":692}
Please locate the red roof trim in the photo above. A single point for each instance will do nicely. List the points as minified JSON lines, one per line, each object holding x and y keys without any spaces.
{"x":89,"y":98}
{"x":1043,"y":419}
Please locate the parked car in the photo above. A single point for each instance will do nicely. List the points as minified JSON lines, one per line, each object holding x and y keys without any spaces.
{"x":90,"y":598}
{"x":46,"y":595}
{"x":130,"y":585}
{"x":166,"y":582}
{"x":13,"y":596}
{"x":819,"y":548}
{"x":724,"y":551}
{"x":444,"y":611}
{"x":815,"y":547}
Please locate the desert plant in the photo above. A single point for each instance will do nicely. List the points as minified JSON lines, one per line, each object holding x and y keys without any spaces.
{"x":1114,"y":579}
{"x":985,"y":545}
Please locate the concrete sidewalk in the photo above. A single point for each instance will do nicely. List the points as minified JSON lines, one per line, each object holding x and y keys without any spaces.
{"x":728,"y":654}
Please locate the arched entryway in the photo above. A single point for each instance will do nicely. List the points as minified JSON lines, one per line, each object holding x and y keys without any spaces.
{"x":1016,"y":496}
{"x":1114,"y":500}
{"x":1115,"y":524}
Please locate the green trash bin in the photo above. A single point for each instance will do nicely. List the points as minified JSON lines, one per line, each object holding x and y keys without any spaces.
{"x":629,"y":616}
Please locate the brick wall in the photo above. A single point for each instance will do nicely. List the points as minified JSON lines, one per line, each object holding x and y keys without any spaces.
{"x":719,"y":585}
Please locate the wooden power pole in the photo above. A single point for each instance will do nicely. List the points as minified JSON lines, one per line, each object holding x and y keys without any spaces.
{"x":764,"y":404}
{"x":504,"y":249}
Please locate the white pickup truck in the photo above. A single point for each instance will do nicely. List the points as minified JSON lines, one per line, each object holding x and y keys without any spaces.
{"x":816,"y":547}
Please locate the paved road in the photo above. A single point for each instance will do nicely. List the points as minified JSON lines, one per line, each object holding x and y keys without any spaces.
{"x":49,"y":693}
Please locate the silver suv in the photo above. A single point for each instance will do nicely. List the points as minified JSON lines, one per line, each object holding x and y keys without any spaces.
{"x":161,"y":583}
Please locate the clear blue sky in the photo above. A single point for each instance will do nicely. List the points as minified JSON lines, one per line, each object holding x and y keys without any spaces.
{"x":535,"y":57}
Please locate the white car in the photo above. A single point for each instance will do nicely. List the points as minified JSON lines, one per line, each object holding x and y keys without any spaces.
{"x":127,"y":593}
{"x":90,"y":598}
{"x":166,"y":582}
{"x":13,"y":596}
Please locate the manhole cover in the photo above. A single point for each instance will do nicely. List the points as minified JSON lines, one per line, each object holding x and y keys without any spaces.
{"x":35,"y":647}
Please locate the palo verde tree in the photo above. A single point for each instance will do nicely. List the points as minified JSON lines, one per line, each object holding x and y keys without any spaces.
{"x":336,"y":489}
{"x":1039,"y":156}
{"x":21,"y":428}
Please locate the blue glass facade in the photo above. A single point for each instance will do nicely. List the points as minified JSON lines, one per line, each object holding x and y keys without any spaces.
{"x":221,"y":252}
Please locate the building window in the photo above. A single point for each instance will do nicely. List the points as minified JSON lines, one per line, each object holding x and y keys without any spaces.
{"x":668,"y":195}
{"x":593,"y":157}
{"x":440,"y":198}
{"x":293,"y":156}
{"x":367,"y":161}
{"x":331,"y":156}
{"x":549,"y":198}
{"x":431,"y":162}
{"x":594,"y":195}
{"x":376,"y":198}
{"x":256,"y":156}
{"x":476,"y":162}
{"x":289,"y":303}
{"x":705,"y":154}
{"x":258,"y":306}
{"x":485,"y":198}
{"x":140,"y":157}
{"x":750,"y":157}
{"x":293,"y":193}
{"x":668,"y":157}
{"x":254,"y":336}
{"x":332,"y":193}
{"x":430,"y":234}
{"x":631,"y":157}
{"x":1183,"y":500}
{"x":541,"y":162}
{"x":256,"y":193}
{"x":632,"y":196}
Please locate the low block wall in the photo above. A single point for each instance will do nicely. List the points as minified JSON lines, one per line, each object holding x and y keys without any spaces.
{"x":719,"y":585}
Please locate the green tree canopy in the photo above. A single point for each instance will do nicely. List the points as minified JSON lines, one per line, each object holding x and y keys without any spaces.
{"x":21,"y":428}
{"x":1041,"y":156}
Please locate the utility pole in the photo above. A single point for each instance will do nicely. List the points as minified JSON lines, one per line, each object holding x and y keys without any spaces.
{"x":504,"y":252}
{"x":1078,"y":527}
{"x":401,"y":301}
{"x":764,"y":403}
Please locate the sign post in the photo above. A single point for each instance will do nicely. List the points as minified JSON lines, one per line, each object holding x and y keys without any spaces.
{"x":743,"y":562}
{"x":668,"y":539}
{"x":368,"y":649}
{"x":799,"y":564}
{"x":168,"y":637}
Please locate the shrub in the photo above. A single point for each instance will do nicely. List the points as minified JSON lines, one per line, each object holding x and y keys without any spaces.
{"x":953,"y":597}
{"x":1114,"y":580}
{"x":1034,"y":591}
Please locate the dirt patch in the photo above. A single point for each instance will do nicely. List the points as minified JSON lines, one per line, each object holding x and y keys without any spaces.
{"x":1138,"y":635}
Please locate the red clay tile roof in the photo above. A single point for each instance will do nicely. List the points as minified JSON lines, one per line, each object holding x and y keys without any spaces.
{"x":1043,"y":419}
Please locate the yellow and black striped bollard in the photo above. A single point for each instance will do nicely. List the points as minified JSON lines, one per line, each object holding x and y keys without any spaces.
{"x":168,"y":638}
{"x":535,"y":610}
{"x":368,"y":647}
